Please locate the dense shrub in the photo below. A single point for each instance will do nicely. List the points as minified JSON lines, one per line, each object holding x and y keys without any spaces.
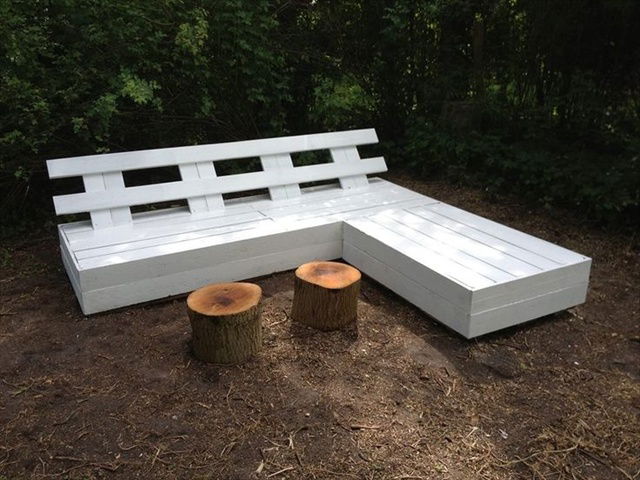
{"x":603,"y":187}
{"x":537,"y":97}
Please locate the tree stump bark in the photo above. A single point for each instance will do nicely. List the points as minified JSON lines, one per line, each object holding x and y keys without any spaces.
{"x":225,"y":320}
{"x":326,"y":295}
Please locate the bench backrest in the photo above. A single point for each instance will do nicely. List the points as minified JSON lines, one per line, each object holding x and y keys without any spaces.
{"x":108,"y":200}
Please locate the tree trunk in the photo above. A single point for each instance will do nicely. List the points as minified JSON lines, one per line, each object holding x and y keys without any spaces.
{"x":478,"y":34}
{"x":326,"y":295}
{"x":225,"y":319}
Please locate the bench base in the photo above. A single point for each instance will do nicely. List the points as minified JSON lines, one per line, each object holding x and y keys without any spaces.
{"x":473,"y":275}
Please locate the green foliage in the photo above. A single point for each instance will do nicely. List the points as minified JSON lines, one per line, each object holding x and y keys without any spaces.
{"x":537,"y":97}
{"x":340,"y":104}
{"x":83,"y":76}
{"x":605,"y":188}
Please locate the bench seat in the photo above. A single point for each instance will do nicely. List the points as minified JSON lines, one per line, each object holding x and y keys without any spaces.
{"x":169,"y":252}
{"x":474,"y":275}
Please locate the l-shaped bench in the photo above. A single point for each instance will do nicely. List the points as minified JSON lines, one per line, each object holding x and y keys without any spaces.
{"x":474,"y":275}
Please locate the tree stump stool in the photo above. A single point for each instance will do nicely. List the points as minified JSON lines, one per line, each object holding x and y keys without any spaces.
{"x":225,"y":319}
{"x":326,"y":295}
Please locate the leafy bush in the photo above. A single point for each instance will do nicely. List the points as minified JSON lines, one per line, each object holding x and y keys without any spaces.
{"x":604,"y":188}
{"x":537,"y":97}
{"x":80,"y":77}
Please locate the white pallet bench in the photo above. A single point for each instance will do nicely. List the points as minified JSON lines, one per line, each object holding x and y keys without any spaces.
{"x":473,"y":275}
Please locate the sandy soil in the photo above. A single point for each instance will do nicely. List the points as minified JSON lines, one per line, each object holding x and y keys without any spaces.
{"x":119,"y":395}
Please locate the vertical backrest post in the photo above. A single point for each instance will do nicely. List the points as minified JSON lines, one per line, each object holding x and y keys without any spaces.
{"x":282,"y":161}
{"x":108,"y":182}
{"x":201,"y":170}
{"x":349,"y":154}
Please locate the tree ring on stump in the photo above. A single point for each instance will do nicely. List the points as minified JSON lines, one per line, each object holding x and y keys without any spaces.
{"x":332,"y":275}
{"x":224,"y":300}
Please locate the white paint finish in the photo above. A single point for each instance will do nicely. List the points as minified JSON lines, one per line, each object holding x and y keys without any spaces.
{"x":201,"y":170}
{"x":71,"y":273}
{"x":529,"y":309}
{"x":114,"y":184}
{"x":281,"y":161}
{"x":162,"y":157}
{"x":90,"y":201}
{"x":462,"y":321}
{"x":170,"y":228}
{"x":110,"y":184}
{"x":164,"y":233}
{"x":160,"y":245}
{"x":534,"y":285}
{"x":70,"y":264}
{"x":99,"y":218}
{"x":345,"y":155}
{"x":225,"y":248}
{"x":472,"y":274}
{"x":176,"y":220}
{"x":121,"y":295}
{"x":343,"y":212}
{"x":221,"y":236}
{"x":232,"y":256}
{"x":487,"y":239}
{"x":428,"y":301}
{"x":203,"y":232}
{"x":337,"y":199}
{"x":364,"y":234}
{"x":336,"y":207}
{"x":146,"y":223}
{"x":458,"y":277}
{"x":167,"y":221}
{"x":541,"y":247}
{"x":460,"y":246}
{"x":436,"y":251}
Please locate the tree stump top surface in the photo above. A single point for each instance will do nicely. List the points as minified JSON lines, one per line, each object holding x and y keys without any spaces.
{"x":332,"y":275}
{"x":222,"y":299}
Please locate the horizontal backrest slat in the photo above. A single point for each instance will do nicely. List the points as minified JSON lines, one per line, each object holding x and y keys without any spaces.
{"x":92,"y":201}
{"x":136,"y":160}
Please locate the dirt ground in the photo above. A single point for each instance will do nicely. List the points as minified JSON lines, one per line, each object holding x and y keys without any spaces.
{"x":119,"y":395}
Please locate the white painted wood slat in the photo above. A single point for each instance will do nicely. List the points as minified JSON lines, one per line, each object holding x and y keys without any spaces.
{"x":487,"y":239}
{"x":164,"y":243}
{"x":91,"y":201}
{"x":80,"y":243}
{"x":283,"y":162}
{"x":162,"y":157}
{"x":342,"y":199}
{"x":528,"y":242}
{"x":202,"y":170}
{"x":433,"y":253}
{"x":349,"y":154}
{"x":106,"y":185}
{"x":81,"y":235}
{"x":463,"y":246}
{"x":187,"y":257}
{"x":393,"y":249}
{"x":122,"y":294}
{"x":453,"y":314}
